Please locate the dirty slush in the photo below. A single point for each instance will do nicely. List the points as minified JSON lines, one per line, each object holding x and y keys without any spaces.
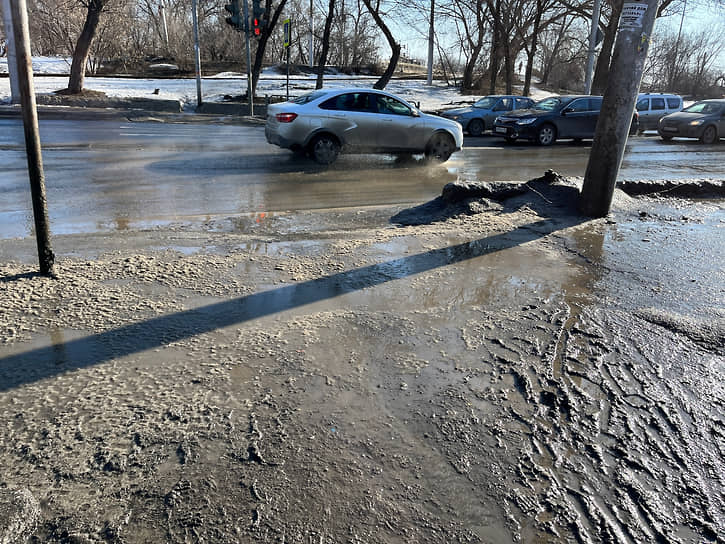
{"x":486,"y":367}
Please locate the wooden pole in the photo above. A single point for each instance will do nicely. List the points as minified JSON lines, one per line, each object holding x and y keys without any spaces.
{"x":32,"y":135}
{"x":610,"y":137}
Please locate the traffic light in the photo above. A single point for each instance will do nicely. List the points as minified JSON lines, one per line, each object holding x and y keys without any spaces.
{"x":258,"y":21}
{"x":235,"y":18}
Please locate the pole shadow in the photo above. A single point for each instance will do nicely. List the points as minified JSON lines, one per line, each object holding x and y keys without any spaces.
{"x":38,"y":364}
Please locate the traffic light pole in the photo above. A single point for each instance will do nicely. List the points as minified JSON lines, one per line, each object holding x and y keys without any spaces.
{"x":21,"y":34}
{"x":250,"y":88}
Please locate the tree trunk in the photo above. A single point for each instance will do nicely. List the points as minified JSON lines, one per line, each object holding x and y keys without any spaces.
{"x":264,"y":38}
{"x":601,"y":73}
{"x":83,"y":47}
{"x":531,"y":53}
{"x":394,"y":46}
{"x":325,"y":45}
{"x":467,"y":82}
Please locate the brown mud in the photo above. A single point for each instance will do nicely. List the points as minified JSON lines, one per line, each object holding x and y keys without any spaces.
{"x":487,"y":367}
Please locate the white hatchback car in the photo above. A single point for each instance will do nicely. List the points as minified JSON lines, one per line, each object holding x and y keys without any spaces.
{"x":324,"y":123}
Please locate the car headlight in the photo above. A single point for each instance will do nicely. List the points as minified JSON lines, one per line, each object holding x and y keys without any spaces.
{"x":697,"y":123}
{"x":526,"y":121}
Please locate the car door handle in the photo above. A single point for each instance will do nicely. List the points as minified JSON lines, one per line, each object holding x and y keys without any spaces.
{"x":339,"y":115}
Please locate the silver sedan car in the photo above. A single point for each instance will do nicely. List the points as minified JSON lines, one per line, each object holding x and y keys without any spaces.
{"x":324,"y":123}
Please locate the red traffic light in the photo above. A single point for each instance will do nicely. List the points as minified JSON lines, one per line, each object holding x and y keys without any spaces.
{"x":257,"y":28}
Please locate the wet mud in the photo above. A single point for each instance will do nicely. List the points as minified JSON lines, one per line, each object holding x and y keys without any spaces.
{"x":520,"y":374}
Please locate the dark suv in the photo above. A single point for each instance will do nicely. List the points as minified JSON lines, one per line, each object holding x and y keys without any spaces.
{"x":557,"y":117}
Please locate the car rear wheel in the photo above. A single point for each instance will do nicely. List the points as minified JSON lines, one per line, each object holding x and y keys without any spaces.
{"x":324,"y":149}
{"x":476,"y":127}
{"x":546,"y":135}
{"x":709,"y":135}
{"x":440,"y":147}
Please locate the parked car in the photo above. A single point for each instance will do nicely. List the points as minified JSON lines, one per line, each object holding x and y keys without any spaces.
{"x":554,"y":118}
{"x":652,"y":107}
{"x":704,"y":120}
{"x":324,"y":123}
{"x":479,"y":117}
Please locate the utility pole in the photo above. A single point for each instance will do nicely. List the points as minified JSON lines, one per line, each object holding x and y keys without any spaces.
{"x":12,"y":62}
{"x":250,"y":88}
{"x":197,"y":53}
{"x":592,"y":47}
{"x":32,"y":136}
{"x":615,"y":118}
{"x":164,"y":27}
{"x":312,"y":34}
{"x":431,"y":37}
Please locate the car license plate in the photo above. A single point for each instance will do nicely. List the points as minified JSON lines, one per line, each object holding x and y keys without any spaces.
{"x":669,"y":129}
{"x":501,"y":129}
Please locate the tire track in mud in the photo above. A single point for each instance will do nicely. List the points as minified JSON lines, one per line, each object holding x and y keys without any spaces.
{"x":622,"y":428}
{"x":589,"y":427}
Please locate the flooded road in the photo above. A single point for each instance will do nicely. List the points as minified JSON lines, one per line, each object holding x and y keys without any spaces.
{"x":115,"y":175}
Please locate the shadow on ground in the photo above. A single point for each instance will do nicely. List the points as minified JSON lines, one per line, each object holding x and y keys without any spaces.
{"x":549,"y":195}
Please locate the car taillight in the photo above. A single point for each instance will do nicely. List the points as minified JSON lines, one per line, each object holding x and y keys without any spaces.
{"x":286,"y":117}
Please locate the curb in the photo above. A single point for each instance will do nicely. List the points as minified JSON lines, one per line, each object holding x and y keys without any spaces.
{"x":225,"y":114}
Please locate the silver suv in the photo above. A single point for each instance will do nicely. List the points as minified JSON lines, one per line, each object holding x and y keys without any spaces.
{"x":652,"y":107}
{"x":325,"y":122}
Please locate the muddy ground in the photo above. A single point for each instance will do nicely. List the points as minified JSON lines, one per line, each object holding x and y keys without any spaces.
{"x":464,"y":371}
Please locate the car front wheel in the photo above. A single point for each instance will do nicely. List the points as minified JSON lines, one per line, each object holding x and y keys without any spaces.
{"x":324,"y":149}
{"x":546,"y":135}
{"x":476,"y":127}
{"x":709,"y":135}
{"x":440,"y":147}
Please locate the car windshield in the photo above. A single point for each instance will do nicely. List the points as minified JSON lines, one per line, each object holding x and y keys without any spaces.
{"x":486,"y":103}
{"x":703,"y":107}
{"x":548,"y":104}
{"x":308,"y":97}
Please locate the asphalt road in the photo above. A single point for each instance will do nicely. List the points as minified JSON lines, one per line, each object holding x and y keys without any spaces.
{"x":115,"y":174}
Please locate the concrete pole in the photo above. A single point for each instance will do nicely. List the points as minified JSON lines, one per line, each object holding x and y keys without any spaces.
{"x":197,"y":53}
{"x":592,"y":47}
{"x":312,"y":36}
{"x":32,"y":136}
{"x":610,"y":137}
{"x":12,"y":61}
{"x":431,"y":38}
{"x":164,"y":27}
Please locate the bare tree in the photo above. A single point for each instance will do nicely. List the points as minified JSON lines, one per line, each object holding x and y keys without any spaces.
{"x":325,"y":44}
{"x":377,"y":15}
{"x":83,"y":45}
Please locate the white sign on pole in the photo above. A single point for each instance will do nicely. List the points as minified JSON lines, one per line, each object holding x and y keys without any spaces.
{"x":632,"y":14}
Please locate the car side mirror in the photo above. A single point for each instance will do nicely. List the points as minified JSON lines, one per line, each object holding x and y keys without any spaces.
{"x":566,"y":110}
{"x":415,"y":113}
